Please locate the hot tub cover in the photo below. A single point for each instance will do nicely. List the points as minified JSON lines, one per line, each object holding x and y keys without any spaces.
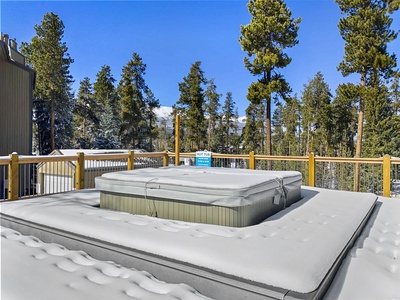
{"x":215,"y":186}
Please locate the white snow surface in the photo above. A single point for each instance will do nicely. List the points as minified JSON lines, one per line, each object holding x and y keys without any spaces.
{"x":33,"y":269}
{"x":372,"y":269}
{"x":294,"y":249}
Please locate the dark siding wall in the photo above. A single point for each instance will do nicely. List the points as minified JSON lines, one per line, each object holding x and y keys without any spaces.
{"x":15,"y":109}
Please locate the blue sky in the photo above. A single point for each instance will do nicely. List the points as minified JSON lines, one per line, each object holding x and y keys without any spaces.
{"x":171,"y":35}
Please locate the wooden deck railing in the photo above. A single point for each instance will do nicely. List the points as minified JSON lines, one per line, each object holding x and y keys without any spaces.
{"x":309,"y":165}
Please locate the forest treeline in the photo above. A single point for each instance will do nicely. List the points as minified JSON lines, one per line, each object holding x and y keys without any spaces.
{"x":358,"y":119}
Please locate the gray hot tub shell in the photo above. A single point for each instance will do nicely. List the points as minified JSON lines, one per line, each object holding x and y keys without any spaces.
{"x":230,"y":197}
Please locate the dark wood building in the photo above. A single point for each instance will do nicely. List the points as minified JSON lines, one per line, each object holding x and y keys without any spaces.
{"x":17,"y":82}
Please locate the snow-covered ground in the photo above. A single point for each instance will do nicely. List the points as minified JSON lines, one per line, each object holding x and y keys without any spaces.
{"x":293,"y":249}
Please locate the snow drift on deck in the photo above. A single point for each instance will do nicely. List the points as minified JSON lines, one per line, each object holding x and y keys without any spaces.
{"x":32,"y":269}
{"x":293,"y":249}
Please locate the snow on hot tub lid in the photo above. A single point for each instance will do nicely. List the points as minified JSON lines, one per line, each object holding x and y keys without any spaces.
{"x":194,"y":184}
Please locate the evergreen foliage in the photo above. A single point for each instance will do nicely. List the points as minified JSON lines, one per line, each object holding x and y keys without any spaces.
{"x":316,"y":116}
{"x":86,"y":122}
{"x":271,"y":30}
{"x":366,"y":31}
{"x":229,"y":127}
{"x":212,"y":106}
{"x":47,"y":54}
{"x":253,"y":131}
{"x":137,"y":103}
{"x":190,"y":107}
{"x":344,"y":118}
{"x":109,"y":112}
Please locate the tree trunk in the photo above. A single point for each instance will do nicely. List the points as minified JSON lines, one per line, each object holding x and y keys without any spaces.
{"x":360,"y":128}
{"x":268,"y":146}
{"x":52,"y":122}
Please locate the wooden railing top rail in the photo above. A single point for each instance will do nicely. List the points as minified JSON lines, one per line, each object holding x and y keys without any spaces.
{"x":189,"y":154}
{"x":277,"y":157}
{"x":151,"y":154}
{"x":349,"y":160}
{"x":27,"y":159}
{"x":106,"y":156}
{"x":395,"y":161}
{"x":5,"y":160}
{"x":234,"y":156}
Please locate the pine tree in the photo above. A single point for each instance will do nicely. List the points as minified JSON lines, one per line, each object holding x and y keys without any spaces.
{"x":229,"y":123}
{"x":395,"y":102}
{"x":151,"y":120}
{"x":366,"y":31}
{"x":190,"y":106}
{"x":278,"y":136}
{"x":109,"y":113}
{"x":253,"y":131}
{"x":86,"y":122}
{"x":316,"y":112}
{"x":48,"y":55}
{"x":378,"y":121}
{"x":236,"y":139}
{"x":212,"y":114}
{"x":291,"y":119}
{"x":271,"y":30}
{"x":133,"y":90}
{"x":344,"y":119}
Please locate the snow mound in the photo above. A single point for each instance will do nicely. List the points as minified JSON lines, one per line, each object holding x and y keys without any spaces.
{"x":50,"y":271}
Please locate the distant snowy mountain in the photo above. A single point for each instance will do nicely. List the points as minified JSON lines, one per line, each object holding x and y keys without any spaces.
{"x":164,"y":113}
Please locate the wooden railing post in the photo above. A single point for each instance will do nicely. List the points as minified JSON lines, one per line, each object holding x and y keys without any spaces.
{"x":165,"y":160}
{"x":386,"y":176}
{"x":131,"y":160}
{"x":311,"y":169}
{"x":252,"y":161}
{"x":13,"y":177}
{"x":177,"y":137}
{"x":80,"y":172}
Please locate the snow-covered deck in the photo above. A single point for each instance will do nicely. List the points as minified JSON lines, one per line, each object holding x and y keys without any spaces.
{"x":294,"y":253}
{"x":35,"y":270}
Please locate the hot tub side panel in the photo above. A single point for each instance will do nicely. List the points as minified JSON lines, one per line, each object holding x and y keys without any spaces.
{"x":191,"y":212}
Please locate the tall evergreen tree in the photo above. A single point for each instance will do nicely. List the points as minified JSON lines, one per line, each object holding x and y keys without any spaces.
{"x":86,"y":121}
{"x":151,"y":120}
{"x":344,"y":119}
{"x":191,"y":108}
{"x":229,"y":122}
{"x":109,"y":113}
{"x":366,"y":31}
{"x":253,"y":131}
{"x":378,"y":121}
{"x":278,"y":136}
{"x":291,"y":119}
{"x":395,"y":102}
{"x":316,"y":115}
{"x":212,"y":114}
{"x":133,"y":90}
{"x":47,"y":54}
{"x":271,"y":30}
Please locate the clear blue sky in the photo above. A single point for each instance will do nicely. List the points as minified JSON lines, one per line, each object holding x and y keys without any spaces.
{"x":171,"y":35}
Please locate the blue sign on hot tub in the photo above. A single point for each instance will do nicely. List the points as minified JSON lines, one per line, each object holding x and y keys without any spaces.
{"x":203,"y":158}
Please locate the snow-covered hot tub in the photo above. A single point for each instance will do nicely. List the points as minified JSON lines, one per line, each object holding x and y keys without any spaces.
{"x":230,"y":197}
